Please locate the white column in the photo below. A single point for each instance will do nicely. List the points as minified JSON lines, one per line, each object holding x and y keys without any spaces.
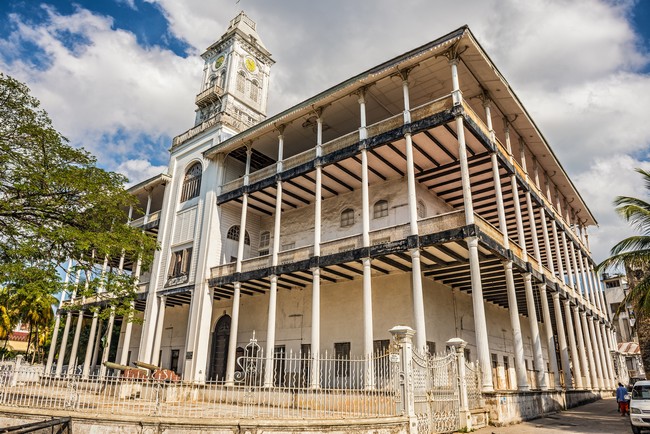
{"x":160,"y":326}
{"x":597,"y":350}
{"x":575,"y":361}
{"x":57,"y":322}
{"x":550,"y":339}
{"x":604,"y":355}
{"x":416,"y":276}
{"x":567,"y":261}
{"x":564,"y":350}
{"x":547,"y":244}
{"x":558,"y":253}
{"x":98,"y":340}
{"x":369,"y":381}
{"x":576,"y":271}
{"x":89,"y":349}
{"x":533,"y":230}
{"x":64,"y":343}
{"x":273,"y":290}
{"x":234,"y":324}
{"x":127,"y":325}
{"x":538,"y":357}
{"x":581,"y":346}
{"x":72,"y":364}
{"x":232,"y":342}
{"x":601,"y":296}
{"x":480,"y":325}
{"x":583,"y":277}
{"x":315,"y":330}
{"x":107,"y":344}
{"x":608,"y":335}
{"x":590,"y":351}
{"x":513,"y":310}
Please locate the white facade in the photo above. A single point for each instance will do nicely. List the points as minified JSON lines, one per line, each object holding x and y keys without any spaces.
{"x":417,"y":193}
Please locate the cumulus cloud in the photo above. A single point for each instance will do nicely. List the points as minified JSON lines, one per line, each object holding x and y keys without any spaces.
{"x":105,"y":86}
{"x":139,"y":170}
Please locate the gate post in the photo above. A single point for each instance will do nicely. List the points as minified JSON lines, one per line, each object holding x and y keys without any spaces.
{"x":403,"y":337}
{"x":458,"y":345}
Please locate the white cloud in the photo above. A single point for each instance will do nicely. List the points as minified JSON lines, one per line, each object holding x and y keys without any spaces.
{"x":139,"y":170}
{"x":599,"y":185}
{"x":108,"y":86}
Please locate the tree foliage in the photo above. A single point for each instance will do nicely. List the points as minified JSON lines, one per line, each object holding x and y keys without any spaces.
{"x":632,"y":254}
{"x":56,"y":205}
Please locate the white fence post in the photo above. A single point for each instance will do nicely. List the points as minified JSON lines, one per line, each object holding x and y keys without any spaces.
{"x":465,"y":415}
{"x":403,"y":337}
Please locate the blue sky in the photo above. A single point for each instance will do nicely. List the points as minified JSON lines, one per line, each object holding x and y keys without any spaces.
{"x":119,"y":77}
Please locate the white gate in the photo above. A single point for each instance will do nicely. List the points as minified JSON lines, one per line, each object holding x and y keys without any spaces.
{"x":436,"y":393}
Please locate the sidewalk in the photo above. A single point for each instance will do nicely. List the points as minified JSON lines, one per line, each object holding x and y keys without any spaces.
{"x":598,"y":417}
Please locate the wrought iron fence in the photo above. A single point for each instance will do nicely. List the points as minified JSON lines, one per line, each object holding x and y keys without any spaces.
{"x":344,"y":387}
{"x":282,"y":386}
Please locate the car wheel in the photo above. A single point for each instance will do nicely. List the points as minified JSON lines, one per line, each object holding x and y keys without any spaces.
{"x":636,"y":429}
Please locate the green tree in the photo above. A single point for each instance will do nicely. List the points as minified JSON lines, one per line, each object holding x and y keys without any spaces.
{"x":632,"y":254}
{"x":55,"y":205}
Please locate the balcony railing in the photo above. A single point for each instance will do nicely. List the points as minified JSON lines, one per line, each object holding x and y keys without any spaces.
{"x":154,"y":216}
{"x":439,"y":223}
{"x":344,"y":141}
{"x":209,"y":96}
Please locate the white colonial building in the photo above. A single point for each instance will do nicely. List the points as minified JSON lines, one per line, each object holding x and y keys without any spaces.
{"x":419,"y":192}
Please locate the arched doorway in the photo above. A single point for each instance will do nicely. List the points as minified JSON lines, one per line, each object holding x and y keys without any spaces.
{"x":219,"y":353}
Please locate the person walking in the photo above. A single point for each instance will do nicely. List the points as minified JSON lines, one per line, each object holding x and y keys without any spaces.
{"x":623,"y":400}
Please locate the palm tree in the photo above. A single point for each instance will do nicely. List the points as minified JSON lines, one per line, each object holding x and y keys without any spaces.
{"x":632,"y":254}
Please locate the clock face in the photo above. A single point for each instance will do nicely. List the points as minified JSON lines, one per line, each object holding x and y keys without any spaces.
{"x":219,"y":62}
{"x":250,"y":64}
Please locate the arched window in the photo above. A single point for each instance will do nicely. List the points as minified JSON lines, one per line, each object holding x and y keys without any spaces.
{"x":192,"y":182}
{"x":380,"y":209}
{"x":254,"y":91}
{"x":347,"y":217}
{"x":241,"y":82}
{"x":422,"y":209}
{"x":222,"y":79}
{"x":233,"y":234}
{"x":213,"y":81}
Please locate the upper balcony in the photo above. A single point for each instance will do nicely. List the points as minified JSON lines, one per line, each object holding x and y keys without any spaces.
{"x":149,"y":223}
{"x":208,"y":96}
{"x":444,"y":258}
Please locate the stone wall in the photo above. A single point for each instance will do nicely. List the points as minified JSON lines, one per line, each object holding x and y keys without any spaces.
{"x":513,"y":407}
{"x":83,"y":423}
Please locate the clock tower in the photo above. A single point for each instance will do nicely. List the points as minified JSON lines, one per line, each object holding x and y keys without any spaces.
{"x":235,"y":80}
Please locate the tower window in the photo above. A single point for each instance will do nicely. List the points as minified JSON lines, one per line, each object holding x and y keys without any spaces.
{"x":254,"y":91}
{"x":233,"y":234}
{"x":241,"y":82}
{"x":347,"y":217}
{"x":380,"y":209}
{"x":192,"y":182}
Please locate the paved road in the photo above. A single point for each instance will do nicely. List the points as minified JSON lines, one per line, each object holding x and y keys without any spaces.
{"x":597,"y":417}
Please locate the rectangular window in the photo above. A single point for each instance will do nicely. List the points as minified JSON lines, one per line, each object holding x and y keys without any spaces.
{"x":380,"y":347}
{"x":614,"y":307}
{"x":467,"y":355}
{"x":288,"y":246}
{"x":495,"y":361}
{"x":180,"y":263}
{"x":173,"y":363}
{"x":431,"y":347}
{"x":342,"y":356}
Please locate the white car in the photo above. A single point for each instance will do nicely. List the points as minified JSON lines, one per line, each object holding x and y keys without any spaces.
{"x":640,"y":406}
